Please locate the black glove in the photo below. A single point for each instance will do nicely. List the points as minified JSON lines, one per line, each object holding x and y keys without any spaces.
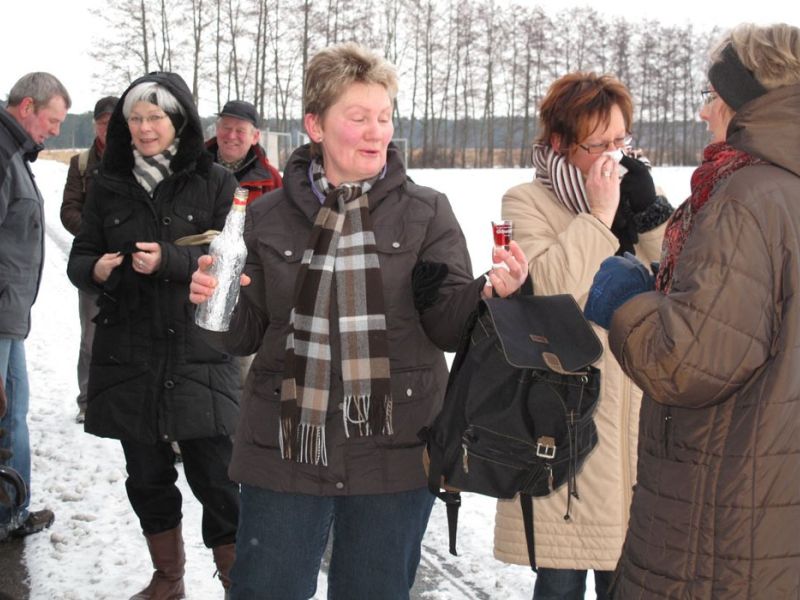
{"x":426,"y":278}
{"x":637,"y":185}
{"x":624,"y":227}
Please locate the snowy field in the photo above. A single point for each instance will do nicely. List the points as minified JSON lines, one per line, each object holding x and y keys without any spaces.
{"x":95,"y":548}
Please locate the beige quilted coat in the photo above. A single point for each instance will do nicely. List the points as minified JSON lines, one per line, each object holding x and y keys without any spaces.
{"x":565,"y":252}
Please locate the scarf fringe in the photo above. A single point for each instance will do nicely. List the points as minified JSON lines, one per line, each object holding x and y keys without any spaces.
{"x":302,"y":442}
{"x":367,"y":416}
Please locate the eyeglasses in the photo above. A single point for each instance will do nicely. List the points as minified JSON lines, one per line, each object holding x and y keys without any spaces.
{"x":136,"y":121}
{"x":708,"y":96}
{"x":622,"y":142}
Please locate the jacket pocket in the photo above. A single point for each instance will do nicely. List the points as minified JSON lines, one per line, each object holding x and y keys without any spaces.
{"x":416,"y":398}
{"x":667,"y":513}
{"x":261,"y":409}
{"x":188,"y":219}
{"x":399,"y":249}
{"x":280,"y":258}
{"x":118,"y":229}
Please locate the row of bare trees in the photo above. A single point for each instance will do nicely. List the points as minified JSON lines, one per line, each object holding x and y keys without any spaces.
{"x":472,"y":72}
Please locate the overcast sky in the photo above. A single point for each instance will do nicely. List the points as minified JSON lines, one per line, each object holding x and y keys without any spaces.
{"x":56,"y":36}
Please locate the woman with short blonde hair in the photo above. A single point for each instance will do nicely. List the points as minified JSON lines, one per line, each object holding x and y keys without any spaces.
{"x":360,"y":279}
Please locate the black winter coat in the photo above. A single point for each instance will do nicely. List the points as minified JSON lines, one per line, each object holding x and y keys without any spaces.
{"x":152,"y":376}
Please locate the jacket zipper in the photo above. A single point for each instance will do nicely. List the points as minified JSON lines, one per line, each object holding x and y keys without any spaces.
{"x":667,"y":430}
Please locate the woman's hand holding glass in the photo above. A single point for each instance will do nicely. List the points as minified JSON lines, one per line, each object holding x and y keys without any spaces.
{"x":203,"y":283}
{"x":509,"y":277}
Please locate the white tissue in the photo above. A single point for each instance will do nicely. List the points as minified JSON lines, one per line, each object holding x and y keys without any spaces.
{"x":616,"y":154}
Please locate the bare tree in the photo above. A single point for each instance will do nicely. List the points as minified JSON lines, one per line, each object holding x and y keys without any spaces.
{"x":200,"y":21}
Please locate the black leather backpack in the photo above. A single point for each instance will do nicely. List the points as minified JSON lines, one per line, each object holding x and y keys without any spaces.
{"x":517,"y":414}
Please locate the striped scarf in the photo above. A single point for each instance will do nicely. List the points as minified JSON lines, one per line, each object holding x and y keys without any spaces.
{"x":341,"y":245}
{"x":563,"y":179}
{"x":149,"y":171}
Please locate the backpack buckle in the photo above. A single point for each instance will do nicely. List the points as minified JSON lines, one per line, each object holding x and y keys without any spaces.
{"x":546,"y":447}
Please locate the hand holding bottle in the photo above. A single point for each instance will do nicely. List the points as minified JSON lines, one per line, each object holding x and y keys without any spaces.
{"x":203,"y":283}
{"x":227,"y":253}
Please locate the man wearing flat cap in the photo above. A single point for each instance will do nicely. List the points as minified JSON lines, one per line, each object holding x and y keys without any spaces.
{"x":236,"y":148}
{"x":82,"y":168}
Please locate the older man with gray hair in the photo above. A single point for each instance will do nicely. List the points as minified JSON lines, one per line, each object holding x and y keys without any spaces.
{"x":37,"y":106}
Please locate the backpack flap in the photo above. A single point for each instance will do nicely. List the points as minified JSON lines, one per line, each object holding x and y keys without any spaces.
{"x":545,"y":333}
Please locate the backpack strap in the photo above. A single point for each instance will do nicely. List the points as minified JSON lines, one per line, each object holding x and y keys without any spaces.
{"x":450,"y":498}
{"x":453,"y":502}
{"x":83,"y":161}
{"x":526,"y":502}
{"x":83,"y":164}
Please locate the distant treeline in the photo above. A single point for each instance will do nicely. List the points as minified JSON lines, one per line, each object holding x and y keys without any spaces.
{"x":664,"y":144}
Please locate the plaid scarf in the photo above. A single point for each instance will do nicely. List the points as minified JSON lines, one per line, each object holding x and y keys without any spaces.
{"x":720,"y":161}
{"x":560,"y":177}
{"x":149,"y":171}
{"x":341,"y":245}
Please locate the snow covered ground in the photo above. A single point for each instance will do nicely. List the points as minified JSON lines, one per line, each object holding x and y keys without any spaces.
{"x":95,"y":548}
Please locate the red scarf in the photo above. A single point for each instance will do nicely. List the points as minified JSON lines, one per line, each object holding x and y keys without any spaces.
{"x":720,"y":161}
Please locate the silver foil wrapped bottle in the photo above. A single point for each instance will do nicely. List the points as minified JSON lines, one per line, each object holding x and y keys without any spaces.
{"x":229,"y":252}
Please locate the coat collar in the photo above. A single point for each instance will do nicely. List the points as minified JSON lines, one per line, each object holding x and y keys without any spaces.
{"x":27,"y":146}
{"x":769,"y":127}
{"x":298,"y":187}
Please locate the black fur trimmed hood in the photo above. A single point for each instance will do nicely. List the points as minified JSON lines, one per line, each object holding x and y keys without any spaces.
{"x":191,"y":155}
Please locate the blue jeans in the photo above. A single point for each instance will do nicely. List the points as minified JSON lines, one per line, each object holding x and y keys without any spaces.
{"x":14,"y":373}
{"x":282,"y":537}
{"x":569,"y":584}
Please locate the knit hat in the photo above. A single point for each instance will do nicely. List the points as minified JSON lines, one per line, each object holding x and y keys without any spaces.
{"x":735,"y":84}
{"x":104,"y":106}
{"x":239,"y":109}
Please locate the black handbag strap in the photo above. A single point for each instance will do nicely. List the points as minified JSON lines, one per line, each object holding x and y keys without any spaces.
{"x":526,"y":502}
{"x":14,"y":479}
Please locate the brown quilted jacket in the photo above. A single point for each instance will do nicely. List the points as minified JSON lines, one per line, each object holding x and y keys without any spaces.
{"x":716,"y":511}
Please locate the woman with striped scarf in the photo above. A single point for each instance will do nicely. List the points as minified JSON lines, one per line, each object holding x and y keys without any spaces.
{"x":358,"y":280}
{"x":579,"y":210}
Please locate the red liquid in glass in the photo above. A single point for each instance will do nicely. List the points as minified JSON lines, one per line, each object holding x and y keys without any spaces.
{"x":502,"y":234}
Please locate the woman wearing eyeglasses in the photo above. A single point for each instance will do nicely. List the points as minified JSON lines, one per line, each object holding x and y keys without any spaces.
{"x":153,"y":380}
{"x":573,"y":215}
{"x":715,"y":347}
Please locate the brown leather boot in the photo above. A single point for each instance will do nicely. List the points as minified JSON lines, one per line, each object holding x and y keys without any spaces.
{"x":166,"y":551}
{"x":223,"y":558}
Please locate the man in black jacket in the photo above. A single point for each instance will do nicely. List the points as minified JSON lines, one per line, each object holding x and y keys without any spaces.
{"x":37,"y":105}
